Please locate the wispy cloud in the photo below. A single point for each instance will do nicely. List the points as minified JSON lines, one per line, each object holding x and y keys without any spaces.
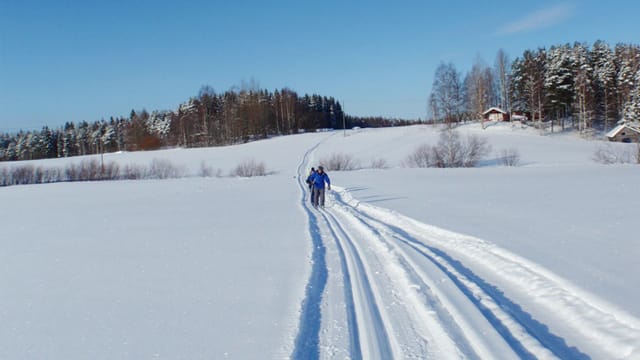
{"x":538,"y":19}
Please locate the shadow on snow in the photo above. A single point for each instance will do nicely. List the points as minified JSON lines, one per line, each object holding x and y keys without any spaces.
{"x":307,"y":341}
{"x":538,"y":330}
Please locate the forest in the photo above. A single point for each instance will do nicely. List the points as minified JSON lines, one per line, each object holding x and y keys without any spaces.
{"x":579,"y":86}
{"x":209,"y":119}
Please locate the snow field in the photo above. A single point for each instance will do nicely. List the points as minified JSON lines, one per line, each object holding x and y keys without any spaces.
{"x":536,"y":261}
{"x":150,"y":269}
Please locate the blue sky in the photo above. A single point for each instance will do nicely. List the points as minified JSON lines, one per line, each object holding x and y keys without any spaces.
{"x":88,"y":60}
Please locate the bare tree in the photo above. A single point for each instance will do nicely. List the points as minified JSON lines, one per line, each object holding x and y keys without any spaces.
{"x":205,"y":107}
{"x":447,"y":93}
{"x":453,"y":151}
{"x":420,"y":158}
{"x":250,"y":168}
{"x":432,"y":109}
{"x":479,"y":89}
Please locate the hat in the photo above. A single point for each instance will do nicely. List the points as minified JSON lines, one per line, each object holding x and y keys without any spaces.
{"x":320,"y":167}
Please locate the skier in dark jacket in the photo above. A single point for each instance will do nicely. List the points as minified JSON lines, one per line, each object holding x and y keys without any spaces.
{"x":319,"y":179}
{"x":310,"y":183}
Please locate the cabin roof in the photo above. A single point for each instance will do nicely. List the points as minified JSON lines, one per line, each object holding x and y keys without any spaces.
{"x":494,"y":109}
{"x":619,"y":128}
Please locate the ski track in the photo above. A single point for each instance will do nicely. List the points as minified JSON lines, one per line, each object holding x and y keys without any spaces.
{"x":411,"y":290}
{"x":354,"y":338}
{"x":366,"y":319}
{"x":524,"y":346}
{"x":306,"y":344}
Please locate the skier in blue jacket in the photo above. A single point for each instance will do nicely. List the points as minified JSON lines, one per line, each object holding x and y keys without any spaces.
{"x":319,"y":179}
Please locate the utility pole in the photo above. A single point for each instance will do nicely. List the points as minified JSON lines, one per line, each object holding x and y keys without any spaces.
{"x":344,"y":123}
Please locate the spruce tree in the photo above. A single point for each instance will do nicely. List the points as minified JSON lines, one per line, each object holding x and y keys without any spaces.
{"x":605,"y":81}
{"x":558,"y":82}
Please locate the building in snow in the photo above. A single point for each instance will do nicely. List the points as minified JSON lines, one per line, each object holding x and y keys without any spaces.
{"x":624,"y":133}
{"x":519,"y":116}
{"x":495,"y":114}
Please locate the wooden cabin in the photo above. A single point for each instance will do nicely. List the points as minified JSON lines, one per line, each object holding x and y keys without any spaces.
{"x":624,"y":133}
{"x":495,"y":114}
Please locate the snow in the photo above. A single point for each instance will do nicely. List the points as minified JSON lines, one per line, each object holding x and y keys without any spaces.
{"x":533,"y":261}
{"x":494,"y":109}
{"x":134,"y":269}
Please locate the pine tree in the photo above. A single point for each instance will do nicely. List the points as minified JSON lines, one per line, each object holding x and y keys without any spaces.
{"x":558,"y":82}
{"x":528,"y":83}
{"x":48,"y":143}
{"x":632,"y":106}
{"x":627,"y":59}
{"x":69,"y":140}
{"x":517,"y":86}
{"x":583,"y":87}
{"x":605,"y":81}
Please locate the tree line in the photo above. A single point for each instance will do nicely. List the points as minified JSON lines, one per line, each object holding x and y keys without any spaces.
{"x":209,"y":119}
{"x":577,"y":85}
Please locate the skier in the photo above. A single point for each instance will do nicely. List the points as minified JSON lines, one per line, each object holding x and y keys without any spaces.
{"x":319,"y":178}
{"x":310,"y":183}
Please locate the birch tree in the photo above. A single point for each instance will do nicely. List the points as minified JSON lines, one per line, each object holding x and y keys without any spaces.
{"x":447,"y":93}
{"x":501,"y":70}
{"x":479,"y":90}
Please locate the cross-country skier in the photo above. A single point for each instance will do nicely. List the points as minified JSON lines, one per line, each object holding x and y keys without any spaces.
{"x":319,"y":179}
{"x":309,"y":182}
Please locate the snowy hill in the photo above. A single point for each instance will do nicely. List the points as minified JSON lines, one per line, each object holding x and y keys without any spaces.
{"x":533,"y":261}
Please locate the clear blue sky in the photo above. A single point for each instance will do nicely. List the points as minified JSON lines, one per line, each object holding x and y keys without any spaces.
{"x":87,"y":60}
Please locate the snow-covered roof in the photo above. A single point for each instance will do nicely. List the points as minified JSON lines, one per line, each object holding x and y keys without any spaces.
{"x":619,"y":128}
{"x":613,"y":132}
{"x":494,"y":109}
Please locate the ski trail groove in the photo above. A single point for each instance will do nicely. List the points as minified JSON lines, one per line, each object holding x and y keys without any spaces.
{"x":355,"y":350}
{"x":512,"y":334}
{"x":428,"y":317}
{"x":606,"y":328}
{"x":369,"y":321}
{"x":528,"y":338}
{"x":306,"y":343}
